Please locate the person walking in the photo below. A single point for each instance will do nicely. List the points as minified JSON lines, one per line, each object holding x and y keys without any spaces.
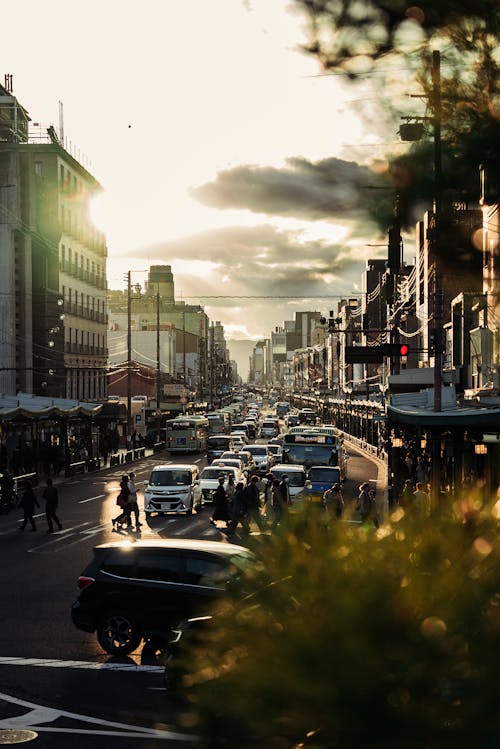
{"x":252,"y":499}
{"x":51,"y":497}
{"x":268,"y":496}
{"x":28,"y":503}
{"x":333,"y":500}
{"x":421,"y":502}
{"x":123,"y":503}
{"x":366,"y":506}
{"x":132,"y":499}
{"x":239,"y":512}
{"x":220,"y":501}
{"x":279,"y":500}
{"x":230,"y":489}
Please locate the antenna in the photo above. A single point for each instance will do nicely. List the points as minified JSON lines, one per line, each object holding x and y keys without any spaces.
{"x":61,"y":122}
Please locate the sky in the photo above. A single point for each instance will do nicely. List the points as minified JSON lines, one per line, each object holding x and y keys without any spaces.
{"x":222,"y":149}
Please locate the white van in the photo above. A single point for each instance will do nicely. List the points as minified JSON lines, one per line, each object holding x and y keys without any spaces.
{"x":296,"y":482}
{"x":173,"y":488}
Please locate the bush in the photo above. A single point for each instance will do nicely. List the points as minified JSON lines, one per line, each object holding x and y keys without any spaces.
{"x":359,"y":638}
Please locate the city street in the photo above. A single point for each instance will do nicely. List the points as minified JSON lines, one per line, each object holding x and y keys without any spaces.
{"x":56,"y":681}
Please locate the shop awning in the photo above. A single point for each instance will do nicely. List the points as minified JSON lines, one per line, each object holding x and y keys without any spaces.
{"x":34,"y":406}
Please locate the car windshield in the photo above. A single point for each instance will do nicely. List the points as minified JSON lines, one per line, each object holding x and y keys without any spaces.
{"x":324,"y":475}
{"x":218,"y":442}
{"x":214,"y":473}
{"x":170,"y":478}
{"x":256,"y":450}
{"x":274,"y":449}
{"x":295,"y":478}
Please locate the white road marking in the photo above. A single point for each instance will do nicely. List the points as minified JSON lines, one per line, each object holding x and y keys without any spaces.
{"x":90,"y":499}
{"x":39,"y":714}
{"x":86,"y":665}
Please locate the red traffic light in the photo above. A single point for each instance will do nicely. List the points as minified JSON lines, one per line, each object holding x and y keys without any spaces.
{"x":395,"y":349}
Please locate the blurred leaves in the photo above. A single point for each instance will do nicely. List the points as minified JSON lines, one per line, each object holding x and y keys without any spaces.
{"x":354,"y":637}
{"x":383,"y":39}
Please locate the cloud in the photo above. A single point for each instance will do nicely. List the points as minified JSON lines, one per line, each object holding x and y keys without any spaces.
{"x":331,"y":189}
{"x":259,"y":276}
{"x":307,"y":253}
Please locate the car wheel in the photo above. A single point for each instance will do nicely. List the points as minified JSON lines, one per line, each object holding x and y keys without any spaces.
{"x":118,"y":634}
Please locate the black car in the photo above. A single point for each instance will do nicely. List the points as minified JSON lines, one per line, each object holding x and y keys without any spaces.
{"x":131,"y":592}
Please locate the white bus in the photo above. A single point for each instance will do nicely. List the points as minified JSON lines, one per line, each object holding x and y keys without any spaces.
{"x":186,"y":434}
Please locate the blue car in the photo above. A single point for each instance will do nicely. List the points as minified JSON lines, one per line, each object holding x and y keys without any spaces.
{"x":319,"y":479}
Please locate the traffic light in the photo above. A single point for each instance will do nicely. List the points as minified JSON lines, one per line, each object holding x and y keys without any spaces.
{"x":395,"y":350}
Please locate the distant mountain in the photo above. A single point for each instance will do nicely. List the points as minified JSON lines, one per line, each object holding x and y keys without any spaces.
{"x":240,"y":351}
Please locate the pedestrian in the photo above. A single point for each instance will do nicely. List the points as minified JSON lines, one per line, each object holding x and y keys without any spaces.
{"x":279,"y":502}
{"x":221,"y":511}
{"x":367,"y":506}
{"x":239,"y":512}
{"x":252,"y":500}
{"x":28,"y":503}
{"x":333,"y":500}
{"x":51,"y":497}
{"x":132,"y":499}
{"x":123,"y":503}
{"x":421,"y":502}
{"x":230,"y":489}
{"x":268,"y":496}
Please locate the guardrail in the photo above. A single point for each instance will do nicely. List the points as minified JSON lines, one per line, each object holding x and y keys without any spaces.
{"x":20,"y":481}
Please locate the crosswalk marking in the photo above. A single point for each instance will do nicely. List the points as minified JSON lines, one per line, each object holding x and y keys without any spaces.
{"x":86,"y":665}
{"x":38,"y":715}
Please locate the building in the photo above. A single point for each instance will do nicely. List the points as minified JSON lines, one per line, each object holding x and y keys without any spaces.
{"x":164,"y":334}
{"x":52,"y":264}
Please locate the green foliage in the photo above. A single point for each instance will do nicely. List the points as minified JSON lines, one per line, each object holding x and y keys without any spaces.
{"x":359,"y":638}
{"x":383,"y":38}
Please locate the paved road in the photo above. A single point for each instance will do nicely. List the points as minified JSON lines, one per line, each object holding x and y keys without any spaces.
{"x":56,"y":682}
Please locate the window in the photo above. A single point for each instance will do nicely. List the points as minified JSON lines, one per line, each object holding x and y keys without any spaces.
{"x":202,"y":571}
{"x":162,"y":567}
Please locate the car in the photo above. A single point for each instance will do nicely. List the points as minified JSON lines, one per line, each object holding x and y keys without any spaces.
{"x":307,"y":416}
{"x":319,"y":479}
{"x":252,"y":428}
{"x":241,"y":429}
{"x":217,"y":444}
{"x":292,"y":420}
{"x":232,"y":462}
{"x":260,"y":454}
{"x":275,"y":453}
{"x":269,"y":428}
{"x":186,"y":635}
{"x":239,"y":440}
{"x":297,"y":477}
{"x":134,"y":592}
{"x":244,"y":456}
{"x":209,"y":479}
{"x":172,"y":487}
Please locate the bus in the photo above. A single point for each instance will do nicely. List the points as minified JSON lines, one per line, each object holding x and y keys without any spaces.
{"x":282,"y":408}
{"x":315,"y":446}
{"x":186,"y":434}
{"x":219,"y":422}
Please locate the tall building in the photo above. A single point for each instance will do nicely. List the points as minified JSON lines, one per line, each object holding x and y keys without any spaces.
{"x":183,"y":329}
{"x":52,"y":265}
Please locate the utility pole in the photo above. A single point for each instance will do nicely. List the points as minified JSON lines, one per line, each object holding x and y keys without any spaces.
{"x":158,"y":362}
{"x":438,"y":292}
{"x":129,"y":353}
